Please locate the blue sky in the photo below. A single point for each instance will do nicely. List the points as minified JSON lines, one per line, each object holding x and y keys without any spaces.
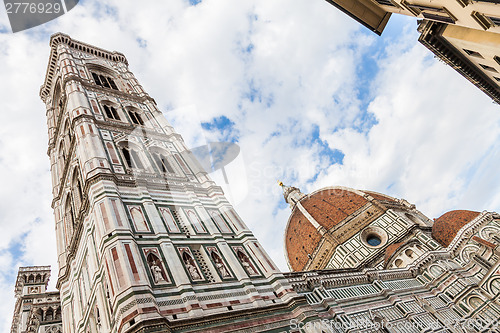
{"x":310,"y":97}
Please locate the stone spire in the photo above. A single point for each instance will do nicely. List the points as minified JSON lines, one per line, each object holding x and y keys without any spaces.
{"x":292,"y":194}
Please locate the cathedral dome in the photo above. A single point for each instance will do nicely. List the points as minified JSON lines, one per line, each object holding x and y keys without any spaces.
{"x":326,"y":207}
{"x":447,"y":226}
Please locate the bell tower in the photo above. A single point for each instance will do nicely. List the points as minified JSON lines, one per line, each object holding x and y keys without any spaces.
{"x":36,"y":310}
{"x":146,"y":240}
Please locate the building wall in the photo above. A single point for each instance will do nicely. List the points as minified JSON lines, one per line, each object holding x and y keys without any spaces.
{"x":470,"y":52}
{"x":481,"y":15}
{"x":480,"y":47}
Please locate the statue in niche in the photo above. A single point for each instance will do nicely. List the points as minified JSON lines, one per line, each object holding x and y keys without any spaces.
{"x":219,"y":264}
{"x":245,"y":262}
{"x":156,"y":269}
{"x":49,"y":315}
{"x":191,"y":267}
{"x":157,"y":273}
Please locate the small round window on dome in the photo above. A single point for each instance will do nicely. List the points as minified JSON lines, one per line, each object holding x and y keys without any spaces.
{"x":374,"y":237}
{"x":373,"y":240}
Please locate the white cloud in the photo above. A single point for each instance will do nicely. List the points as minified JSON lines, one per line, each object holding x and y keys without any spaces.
{"x":288,"y":75}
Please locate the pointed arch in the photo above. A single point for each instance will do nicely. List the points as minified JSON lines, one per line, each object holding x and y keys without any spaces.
{"x":138,"y":218}
{"x":69,"y":217}
{"x":66,"y":128}
{"x":162,"y":161}
{"x":58,"y":102}
{"x":132,"y":155}
{"x":135,"y":115}
{"x":195,"y":221}
{"x":219,"y":263}
{"x":58,"y":313}
{"x":187,"y":258}
{"x":169,"y":219}
{"x":76,"y":187}
{"x":156,"y":267}
{"x":49,"y":314}
{"x":219,"y":221}
{"x":62,"y":151}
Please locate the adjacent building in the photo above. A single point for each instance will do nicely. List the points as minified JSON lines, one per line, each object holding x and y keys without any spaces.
{"x":36,"y":309}
{"x":473,"y":53}
{"x":465,"y":34}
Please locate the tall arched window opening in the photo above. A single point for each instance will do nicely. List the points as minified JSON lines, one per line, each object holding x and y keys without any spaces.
{"x":162,"y":163}
{"x":131,"y":157}
{"x":111,"y":112}
{"x":135,"y":117}
{"x":104,"y":81}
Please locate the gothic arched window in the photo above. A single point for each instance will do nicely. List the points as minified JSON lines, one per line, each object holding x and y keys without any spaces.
{"x":77,"y":188}
{"x":62,"y":152}
{"x":58,"y":101}
{"x":111,"y":112}
{"x":58,"y":313}
{"x":135,"y":117}
{"x":70,"y":215}
{"x":104,"y":81}
{"x":66,"y":129}
{"x":162,"y":163}
{"x":132,"y":159}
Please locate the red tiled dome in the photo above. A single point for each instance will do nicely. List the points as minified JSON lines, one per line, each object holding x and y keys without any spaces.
{"x":328,"y":207}
{"x":380,"y":196}
{"x":447,"y":226}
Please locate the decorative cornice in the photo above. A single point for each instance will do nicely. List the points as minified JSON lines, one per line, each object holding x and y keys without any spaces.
{"x":431,"y":37}
{"x":60,"y":38}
